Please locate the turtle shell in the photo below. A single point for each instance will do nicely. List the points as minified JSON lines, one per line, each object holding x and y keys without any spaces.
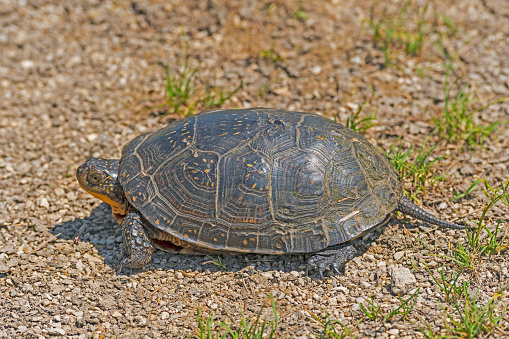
{"x":259,"y":180}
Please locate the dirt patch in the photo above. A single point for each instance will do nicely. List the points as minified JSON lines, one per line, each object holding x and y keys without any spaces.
{"x":82,"y":79}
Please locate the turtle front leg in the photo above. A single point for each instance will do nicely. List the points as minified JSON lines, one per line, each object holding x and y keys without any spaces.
{"x":138,"y":245}
{"x":329,"y":259}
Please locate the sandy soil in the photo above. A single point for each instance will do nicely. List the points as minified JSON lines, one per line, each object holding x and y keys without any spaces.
{"x":82,"y":78}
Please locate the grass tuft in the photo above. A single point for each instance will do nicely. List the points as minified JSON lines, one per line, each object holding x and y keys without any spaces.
{"x":458,"y":122}
{"x":216,"y":261}
{"x":183,"y":95}
{"x":373,"y":311}
{"x":472,"y":318}
{"x":404,"y":31}
{"x":421,"y":170}
{"x":247,"y":328}
{"x":358,"y":123}
{"x":330,"y":330}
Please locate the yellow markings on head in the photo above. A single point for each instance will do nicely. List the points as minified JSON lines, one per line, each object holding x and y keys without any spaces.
{"x":254,"y":185}
{"x":211,"y":161}
{"x":215,"y":239}
{"x":207,"y":170}
{"x":157,"y":221}
{"x":104,"y":198}
{"x":244,"y":242}
{"x":252,"y":239}
{"x":186,"y":235}
{"x":204,"y":160}
{"x":236,"y":133}
{"x":223,"y":134}
{"x":249,"y":165}
{"x":134,"y":199}
{"x":211,"y":184}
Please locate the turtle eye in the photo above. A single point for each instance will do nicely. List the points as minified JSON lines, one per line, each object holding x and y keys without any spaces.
{"x":95,"y":178}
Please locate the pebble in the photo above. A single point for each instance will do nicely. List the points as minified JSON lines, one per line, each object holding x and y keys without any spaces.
{"x":399,"y":255}
{"x":116,"y":314}
{"x":142,"y":321}
{"x":26,"y":64}
{"x":267,"y":275}
{"x":316,"y":69}
{"x":402,"y":280}
{"x":44,"y":203}
{"x":91,"y":137}
{"x":79,"y":265}
{"x":56,"y":331}
{"x":76,"y":82}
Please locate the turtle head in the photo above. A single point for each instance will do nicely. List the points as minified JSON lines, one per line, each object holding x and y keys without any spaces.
{"x":99,"y":177}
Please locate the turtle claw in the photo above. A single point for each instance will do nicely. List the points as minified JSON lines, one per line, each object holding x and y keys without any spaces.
{"x":328,"y":260}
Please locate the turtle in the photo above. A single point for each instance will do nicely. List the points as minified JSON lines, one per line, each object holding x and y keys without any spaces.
{"x":254,"y":180}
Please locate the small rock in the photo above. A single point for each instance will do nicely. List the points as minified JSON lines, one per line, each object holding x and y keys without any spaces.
{"x":267,"y":275}
{"x":402,"y":280}
{"x":283,"y":91}
{"x":142,"y":321}
{"x":116,"y":314}
{"x":56,"y":331}
{"x":356,"y":60}
{"x":9,"y":249}
{"x":365,"y":284}
{"x":467,"y":169}
{"x":43,"y":202}
{"x":165,"y":315}
{"x":393,"y":331}
{"x":91,"y":137}
{"x":399,"y":255}
{"x":316,"y":69}
{"x":26,"y":64}
{"x":79,"y":265}
{"x":22,"y":328}
{"x":179,"y":275}
{"x":442,"y":206}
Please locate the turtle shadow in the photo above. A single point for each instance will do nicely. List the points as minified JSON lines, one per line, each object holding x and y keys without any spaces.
{"x":100,"y":230}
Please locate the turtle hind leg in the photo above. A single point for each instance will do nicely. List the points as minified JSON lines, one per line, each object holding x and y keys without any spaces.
{"x":138,"y":245}
{"x":331,"y":259}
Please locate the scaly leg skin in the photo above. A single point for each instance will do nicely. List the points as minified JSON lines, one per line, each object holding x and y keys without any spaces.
{"x":137,"y":243}
{"x":331,"y":259}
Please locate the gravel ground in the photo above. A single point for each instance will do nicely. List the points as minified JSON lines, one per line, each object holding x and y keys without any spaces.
{"x":80,"y":79}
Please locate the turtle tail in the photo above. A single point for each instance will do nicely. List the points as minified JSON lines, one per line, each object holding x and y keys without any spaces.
{"x":405,"y":206}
